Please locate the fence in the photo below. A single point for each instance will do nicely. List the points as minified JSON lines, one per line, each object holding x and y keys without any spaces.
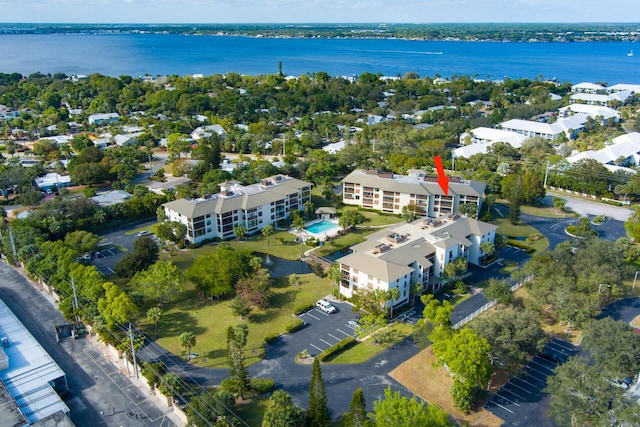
{"x":489,"y":305}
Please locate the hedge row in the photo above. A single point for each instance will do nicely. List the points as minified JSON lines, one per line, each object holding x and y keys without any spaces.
{"x":303,"y":308}
{"x":518,"y":244}
{"x":294,"y":326}
{"x":336,"y":349}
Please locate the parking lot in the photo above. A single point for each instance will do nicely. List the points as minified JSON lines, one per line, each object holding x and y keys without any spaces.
{"x":522,"y":400}
{"x":323,"y":330}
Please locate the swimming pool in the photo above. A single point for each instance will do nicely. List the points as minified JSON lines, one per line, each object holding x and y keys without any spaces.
{"x":320,"y":227}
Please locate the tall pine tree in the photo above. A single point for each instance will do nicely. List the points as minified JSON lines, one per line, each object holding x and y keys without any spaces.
{"x":357,"y":415}
{"x":318,"y":414}
{"x":236,"y":341}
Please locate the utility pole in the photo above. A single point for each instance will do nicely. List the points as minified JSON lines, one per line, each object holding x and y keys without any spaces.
{"x":634,"y":280}
{"x":13,"y":247}
{"x":546,"y":174}
{"x":133,"y":353}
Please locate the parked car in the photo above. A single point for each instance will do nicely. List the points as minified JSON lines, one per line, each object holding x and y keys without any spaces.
{"x":143,"y":233}
{"x":326,"y":306}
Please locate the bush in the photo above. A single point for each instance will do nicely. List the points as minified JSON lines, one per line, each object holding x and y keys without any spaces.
{"x":518,"y":244}
{"x":271,"y":337}
{"x":317,"y":269}
{"x":262,"y":385}
{"x":194,"y":246}
{"x":336,"y":349}
{"x":294,"y":326}
{"x":229,"y":385}
{"x":611,"y":202}
{"x":153,"y":371}
{"x":460,"y":288}
{"x":303,"y":309}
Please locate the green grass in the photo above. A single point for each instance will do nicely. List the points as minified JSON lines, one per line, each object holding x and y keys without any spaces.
{"x":209,"y":320}
{"x":544,"y":211}
{"x":520,"y":230}
{"x":365,"y":350}
{"x":252,"y":411}
{"x":342,"y":242}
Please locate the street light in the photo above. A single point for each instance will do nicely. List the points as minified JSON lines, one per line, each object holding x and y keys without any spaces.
{"x":634,"y":280}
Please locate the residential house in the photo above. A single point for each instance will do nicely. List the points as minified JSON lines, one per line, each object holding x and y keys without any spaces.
{"x":569,"y":127}
{"x":595,"y":112}
{"x":253,"y":206}
{"x":113,"y":197}
{"x":635,"y":89}
{"x":478,"y":141}
{"x":602,"y":99}
{"x":53,"y":180}
{"x":623,"y":151}
{"x":586,"y":87}
{"x":207,"y":131}
{"x":412,"y":252}
{"x":389,"y":192}
{"x":103,"y":118}
{"x":122,"y":140}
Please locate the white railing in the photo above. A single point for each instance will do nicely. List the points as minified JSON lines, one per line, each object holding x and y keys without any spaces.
{"x":489,"y":305}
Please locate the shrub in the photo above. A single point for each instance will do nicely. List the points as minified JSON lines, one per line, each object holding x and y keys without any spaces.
{"x":460,"y":288}
{"x":518,"y":244}
{"x":262,"y":385}
{"x":194,"y":246}
{"x":336,"y":349}
{"x":229,"y":385}
{"x":317,"y":269}
{"x":294,"y":326}
{"x":153,"y":371}
{"x":271,"y":337}
{"x":303,"y":309}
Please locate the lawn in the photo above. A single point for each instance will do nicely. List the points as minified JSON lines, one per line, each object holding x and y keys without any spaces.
{"x":431,"y":382}
{"x":365,"y":350}
{"x":521,"y":230}
{"x":209,"y":320}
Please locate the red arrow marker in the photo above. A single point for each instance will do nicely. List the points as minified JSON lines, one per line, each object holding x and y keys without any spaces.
{"x":443,"y":179}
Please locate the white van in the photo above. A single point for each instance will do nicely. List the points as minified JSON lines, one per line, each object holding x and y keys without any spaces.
{"x":326,"y":306}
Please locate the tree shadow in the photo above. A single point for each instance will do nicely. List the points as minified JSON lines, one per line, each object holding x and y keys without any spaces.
{"x":175,"y":323}
{"x":275,"y":303}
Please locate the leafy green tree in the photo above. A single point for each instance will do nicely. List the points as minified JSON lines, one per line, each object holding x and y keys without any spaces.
{"x":514,"y":336}
{"x":467,"y":357}
{"x":584,"y":394}
{"x":487,"y":249}
{"x":614,"y":346}
{"x":154,"y":314}
{"x":170,"y":384}
{"x":267,"y":231}
{"x":187,"y":341}
{"x":82,"y":241}
{"x":469,"y":210}
{"x":397,"y":410}
{"x":416,"y":290}
{"x":282,"y":412}
{"x":236,"y":342}
{"x":215,"y":273}
{"x":410,"y":212}
{"x":161,"y":281}
{"x":240,"y":307}
{"x":116,"y":306}
{"x":499,"y":290}
{"x":210,"y":407}
{"x":357,"y":415}
{"x":145,"y":253}
{"x":350,"y":218}
{"x":256,"y":288}
{"x":318,"y":412}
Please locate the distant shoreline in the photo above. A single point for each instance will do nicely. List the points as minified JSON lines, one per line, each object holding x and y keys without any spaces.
{"x":529,"y":33}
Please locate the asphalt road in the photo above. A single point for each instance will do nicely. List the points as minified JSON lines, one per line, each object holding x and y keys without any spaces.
{"x":584,"y":207}
{"x":95,"y":383}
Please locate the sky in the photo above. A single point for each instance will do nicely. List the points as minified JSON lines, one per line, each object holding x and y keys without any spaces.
{"x":317,"y":11}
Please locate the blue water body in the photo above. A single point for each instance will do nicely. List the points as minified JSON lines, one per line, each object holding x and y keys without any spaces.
{"x":320,"y":227}
{"x":161,"y":54}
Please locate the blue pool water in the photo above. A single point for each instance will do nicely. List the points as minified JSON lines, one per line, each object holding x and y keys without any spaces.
{"x":320,"y":227}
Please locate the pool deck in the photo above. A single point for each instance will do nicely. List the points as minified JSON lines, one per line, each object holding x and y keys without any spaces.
{"x":306,"y":234}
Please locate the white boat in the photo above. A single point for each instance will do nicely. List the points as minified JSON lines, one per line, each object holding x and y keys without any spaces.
{"x":630,"y":53}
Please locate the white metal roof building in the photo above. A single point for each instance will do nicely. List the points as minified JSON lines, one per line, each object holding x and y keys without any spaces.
{"x":29,"y":372}
{"x":482,"y":138}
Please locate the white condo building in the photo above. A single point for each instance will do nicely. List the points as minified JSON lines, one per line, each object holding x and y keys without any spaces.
{"x":253,"y":206}
{"x":389,"y":192}
{"x":413,"y":252}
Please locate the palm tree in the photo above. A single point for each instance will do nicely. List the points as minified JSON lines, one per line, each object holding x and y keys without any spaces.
{"x":267,"y":231}
{"x":392,"y":295}
{"x":335,"y":275}
{"x":153,"y":315}
{"x":488,"y":249}
{"x":187,"y":340}
{"x":298,"y":223}
{"x":240,"y":231}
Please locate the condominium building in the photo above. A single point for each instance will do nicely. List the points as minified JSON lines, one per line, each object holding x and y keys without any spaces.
{"x":389,"y":192}
{"x":419,"y":252}
{"x":252,"y":206}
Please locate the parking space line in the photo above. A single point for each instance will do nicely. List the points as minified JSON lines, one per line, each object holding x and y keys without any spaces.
{"x":335,"y":338}
{"x":533,"y":378}
{"x":343,"y":332}
{"x":317,"y":348}
{"x":309,"y":314}
{"x":322,"y":312}
{"x":535,"y":370}
{"x":517,"y":386}
{"x":327,"y":343}
{"x":507,"y":400}
{"x":515,"y":394}
{"x":506,"y":409}
{"x":533,"y":361}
